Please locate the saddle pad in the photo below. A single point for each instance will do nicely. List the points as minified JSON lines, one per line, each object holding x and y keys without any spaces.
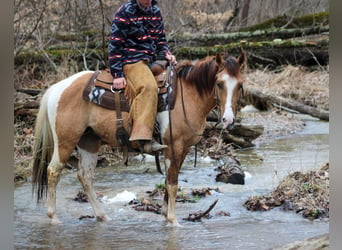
{"x":98,"y":91}
{"x":103,"y":97}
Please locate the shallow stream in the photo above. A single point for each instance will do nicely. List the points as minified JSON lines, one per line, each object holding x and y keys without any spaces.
{"x":266,"y":165}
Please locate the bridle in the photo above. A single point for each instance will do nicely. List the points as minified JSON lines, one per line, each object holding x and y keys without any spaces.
{"x":218,"y":102}
{"x":217,"y":99}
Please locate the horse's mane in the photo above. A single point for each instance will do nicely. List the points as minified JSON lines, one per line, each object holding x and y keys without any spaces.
{"x":232,"y":66}
{"x":202,"y":74}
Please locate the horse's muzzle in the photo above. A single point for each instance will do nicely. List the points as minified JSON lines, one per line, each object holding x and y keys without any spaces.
{"x":230,"y":126}
{"x":227,"y":123}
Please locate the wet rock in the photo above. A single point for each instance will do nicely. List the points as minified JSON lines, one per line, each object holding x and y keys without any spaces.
{"x":146,"y":206}
{"x":320,"y":242}
{"x":203,"y":192}
{"x":82,"y":217}
{"x":222,"y":213}
{"x":288,"y":205}
{"x":81,"y":197}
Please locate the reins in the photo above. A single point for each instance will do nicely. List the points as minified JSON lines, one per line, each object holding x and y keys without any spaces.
{"x":171,"y":67}
{"x":187,"y":121}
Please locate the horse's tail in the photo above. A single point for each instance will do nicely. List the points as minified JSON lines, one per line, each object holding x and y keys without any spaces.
{"x":42,"y":150}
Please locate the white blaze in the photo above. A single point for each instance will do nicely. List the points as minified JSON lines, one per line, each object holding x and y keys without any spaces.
{"x":228,"y":116}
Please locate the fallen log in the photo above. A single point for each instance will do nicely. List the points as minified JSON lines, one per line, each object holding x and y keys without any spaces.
{"x":230,"y":171}
{"x":26,"y":108}
{"x":268,"y":99}
{"x":268,"y":53}
{"x":26,"y":113}
{"x":26,"y":105}
{"x":32,"y":92}
{"x":257,"y":35}
{"x":241,"y":136}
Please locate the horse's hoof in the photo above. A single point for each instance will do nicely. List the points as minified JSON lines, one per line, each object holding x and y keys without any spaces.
{"x":103,"y":218}
{"x":174,"y":223}
{"x":54,"y":218}
{"x":55,"y":221}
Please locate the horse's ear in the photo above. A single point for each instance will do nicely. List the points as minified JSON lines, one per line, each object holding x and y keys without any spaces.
{"x":219,"y":59}
{"x":242,"y":59}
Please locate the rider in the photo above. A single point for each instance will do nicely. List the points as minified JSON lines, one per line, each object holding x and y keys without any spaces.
{"x":138,"y":39}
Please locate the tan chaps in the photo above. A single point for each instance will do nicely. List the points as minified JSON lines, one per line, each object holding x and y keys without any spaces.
{"x":142,"y":92}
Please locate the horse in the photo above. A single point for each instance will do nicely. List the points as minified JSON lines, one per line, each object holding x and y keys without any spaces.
{"x":66,"y":121}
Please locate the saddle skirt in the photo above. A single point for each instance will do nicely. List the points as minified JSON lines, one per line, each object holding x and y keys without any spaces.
{"x":98,"y":89}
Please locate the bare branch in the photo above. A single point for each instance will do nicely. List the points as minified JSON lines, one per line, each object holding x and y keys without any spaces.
{"x":103,"y":31}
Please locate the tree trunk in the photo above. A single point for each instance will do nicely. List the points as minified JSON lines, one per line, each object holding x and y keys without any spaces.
{"x":235,"y":14}
{"x":268,"y":99}
{"x":244,"y":14}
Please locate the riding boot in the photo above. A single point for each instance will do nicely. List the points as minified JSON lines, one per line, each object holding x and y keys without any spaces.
{"x":150,"y":146}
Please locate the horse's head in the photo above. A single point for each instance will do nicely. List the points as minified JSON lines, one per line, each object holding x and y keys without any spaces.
{"x":228,"y":87}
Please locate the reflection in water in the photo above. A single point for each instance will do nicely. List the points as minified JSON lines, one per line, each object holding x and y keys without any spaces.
{"x":130,"y":229}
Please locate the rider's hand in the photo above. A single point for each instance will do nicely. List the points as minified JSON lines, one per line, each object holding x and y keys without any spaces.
{"x":119,"y":83}
{"x":170,"y":58}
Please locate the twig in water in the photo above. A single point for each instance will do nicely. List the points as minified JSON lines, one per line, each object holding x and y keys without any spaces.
{"x":198,"y":215}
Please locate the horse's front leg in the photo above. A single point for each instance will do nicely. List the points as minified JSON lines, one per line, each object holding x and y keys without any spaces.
{"x":169,"y":204}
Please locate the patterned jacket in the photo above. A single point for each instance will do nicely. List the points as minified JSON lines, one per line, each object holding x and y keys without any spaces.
{"x":137,"y":34}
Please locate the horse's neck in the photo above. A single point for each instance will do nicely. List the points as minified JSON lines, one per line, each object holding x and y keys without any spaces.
{"x":203,"y":103}
{"x":207,"y":103}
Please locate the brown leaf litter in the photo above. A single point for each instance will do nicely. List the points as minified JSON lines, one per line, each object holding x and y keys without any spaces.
{"x":305,"y":193}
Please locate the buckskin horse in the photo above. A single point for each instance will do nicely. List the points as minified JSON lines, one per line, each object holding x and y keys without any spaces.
{"x":65,"y":121}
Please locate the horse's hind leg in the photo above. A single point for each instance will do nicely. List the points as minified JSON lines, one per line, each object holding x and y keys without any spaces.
{"x":53,"y":171}
{"x":88,"y":148}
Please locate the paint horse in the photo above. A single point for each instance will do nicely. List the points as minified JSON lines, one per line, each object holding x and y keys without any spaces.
{"x":65,"y":121}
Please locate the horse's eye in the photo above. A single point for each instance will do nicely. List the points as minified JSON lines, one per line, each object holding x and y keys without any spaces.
{"x":219,"y":85}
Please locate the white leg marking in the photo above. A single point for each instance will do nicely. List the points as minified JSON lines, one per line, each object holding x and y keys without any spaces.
{"x":228,"y":116}
{"x":85,"y":175}
{"x":163,"y":120}
{"x":54,"y":171}
{"x":167,"y":164}
{"x":171,"y":212}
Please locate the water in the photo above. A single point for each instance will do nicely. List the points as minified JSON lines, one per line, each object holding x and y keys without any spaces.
{"x":130,"y":229}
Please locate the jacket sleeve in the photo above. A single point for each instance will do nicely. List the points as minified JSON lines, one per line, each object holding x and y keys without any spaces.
{"x":162,"y":46}
{"x":116,"y":44}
